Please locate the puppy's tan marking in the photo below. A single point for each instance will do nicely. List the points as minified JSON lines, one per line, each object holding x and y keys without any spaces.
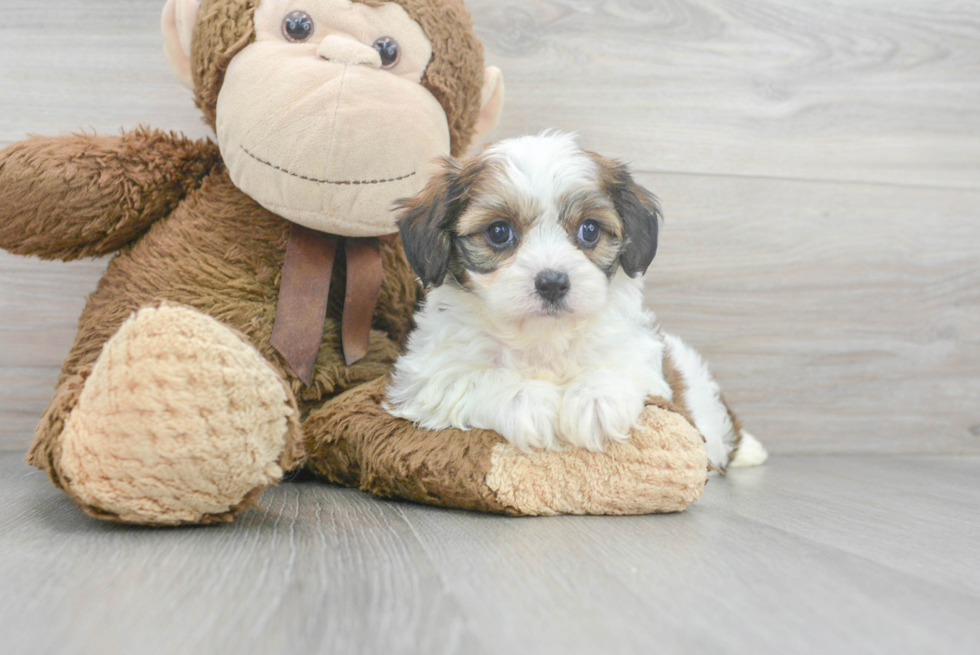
{"x":577,"y":209}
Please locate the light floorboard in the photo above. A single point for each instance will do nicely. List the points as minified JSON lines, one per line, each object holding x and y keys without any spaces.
{"x":807,"y":555}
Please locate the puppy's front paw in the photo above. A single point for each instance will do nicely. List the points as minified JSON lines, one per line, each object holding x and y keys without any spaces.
{"x":596,"y":412}
{"x":530,"y":418}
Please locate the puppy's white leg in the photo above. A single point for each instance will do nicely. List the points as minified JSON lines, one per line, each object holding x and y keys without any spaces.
{"x":599,"y":409}
{"x":703,"y":400}
{"x":528,"y":415}
{"x":524,"y":412}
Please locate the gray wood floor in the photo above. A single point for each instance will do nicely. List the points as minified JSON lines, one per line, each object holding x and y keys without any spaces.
{"x":811,"y":554}
{"x":819,"y":164}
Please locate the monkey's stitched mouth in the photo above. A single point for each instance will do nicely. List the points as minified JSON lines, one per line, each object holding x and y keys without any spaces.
{"x":318,"y":181}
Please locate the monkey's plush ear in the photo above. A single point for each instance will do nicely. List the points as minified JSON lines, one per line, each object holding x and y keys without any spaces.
{"x":177,"y":21}
{"x":639,"y":211}
{"x":426,"y":224}
{"x":492,"y":106}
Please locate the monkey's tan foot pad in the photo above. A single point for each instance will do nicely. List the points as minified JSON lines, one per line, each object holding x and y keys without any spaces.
{"x":181,"y":421}
{"x":353,"y":441}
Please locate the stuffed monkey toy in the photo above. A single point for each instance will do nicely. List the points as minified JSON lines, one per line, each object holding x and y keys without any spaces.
{"x":259,"y":295}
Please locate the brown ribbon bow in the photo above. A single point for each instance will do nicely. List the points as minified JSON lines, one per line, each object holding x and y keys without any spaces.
{"x":305,"y":290}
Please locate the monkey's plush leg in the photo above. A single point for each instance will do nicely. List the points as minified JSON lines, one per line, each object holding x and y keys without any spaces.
{"x":87,"y":196}
{"x":352,"y":441}
{"x":178,"y":421}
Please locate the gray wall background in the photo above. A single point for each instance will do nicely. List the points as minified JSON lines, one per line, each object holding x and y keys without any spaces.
{"x":819,"y":164}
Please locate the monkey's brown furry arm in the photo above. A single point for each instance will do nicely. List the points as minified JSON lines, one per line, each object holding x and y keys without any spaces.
{"x":87,"y":196}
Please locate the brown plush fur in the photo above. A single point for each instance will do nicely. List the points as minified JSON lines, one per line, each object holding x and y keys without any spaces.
{"x":88,"y":196}
{"x":454,"y":76}
{"x":200,"y":255}
{"x":359,"y":444}
{"x":224,"y":28}
{"x":188,"y":237}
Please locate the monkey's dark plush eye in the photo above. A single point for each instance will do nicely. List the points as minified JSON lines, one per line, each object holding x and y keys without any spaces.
{"x":589,"y":233}
{"x":297,"y":26}
{"x":500,"y":234}
{"x":390,"y":53}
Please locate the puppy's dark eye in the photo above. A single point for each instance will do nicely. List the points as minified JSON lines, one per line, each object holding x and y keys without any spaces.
{"x":297,"y":26}
{"x":390,"y":53}
{"x":500,"y":234}
{"x":589,"y":233}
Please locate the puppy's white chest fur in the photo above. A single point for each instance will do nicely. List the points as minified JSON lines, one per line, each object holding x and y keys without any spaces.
{"x":564,"y":349}
{"x":541,"y":382}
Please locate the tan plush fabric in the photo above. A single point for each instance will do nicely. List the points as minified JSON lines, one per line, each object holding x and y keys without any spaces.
{"x":455,"y":76}
{"x":356,"y":443}
{"x":180,"y":421}
{"x":662,"y":469}
{"x":177,"y":23}
{"x":492,"y":100}
{"x":331,"y":146}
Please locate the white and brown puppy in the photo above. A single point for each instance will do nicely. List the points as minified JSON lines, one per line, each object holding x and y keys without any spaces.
{"x":534,"y":325}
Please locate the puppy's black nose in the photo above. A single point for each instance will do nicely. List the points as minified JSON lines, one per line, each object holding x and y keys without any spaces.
{"x":552,"y":285}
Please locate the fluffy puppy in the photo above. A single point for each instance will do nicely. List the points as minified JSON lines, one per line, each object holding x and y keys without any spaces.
{"x":534,"y":326}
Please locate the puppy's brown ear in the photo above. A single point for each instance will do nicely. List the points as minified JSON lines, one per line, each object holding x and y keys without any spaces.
{"x":426,"y":224}
{"x":639,"y":211}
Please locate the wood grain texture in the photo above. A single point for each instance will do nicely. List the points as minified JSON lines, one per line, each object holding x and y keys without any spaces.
{"x":838,"y":318}
{"x":809,"y":555}
{"x":840,"y":90}
{"x":819,"y":167}
{"x":97,"y":65}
